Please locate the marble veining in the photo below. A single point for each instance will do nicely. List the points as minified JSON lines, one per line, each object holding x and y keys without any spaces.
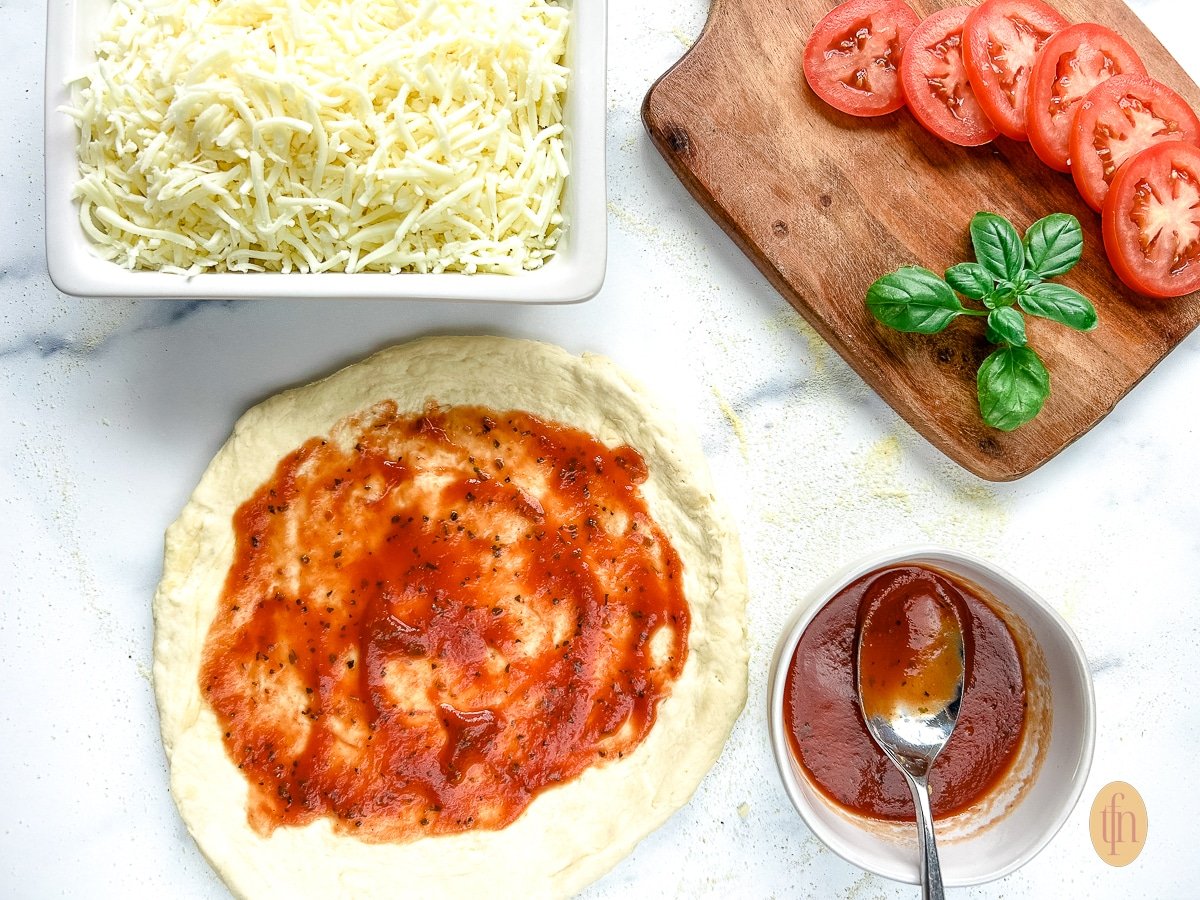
{"x":111,"y":409}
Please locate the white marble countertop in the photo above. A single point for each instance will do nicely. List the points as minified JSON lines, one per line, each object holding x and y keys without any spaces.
{"x":111,"y":409}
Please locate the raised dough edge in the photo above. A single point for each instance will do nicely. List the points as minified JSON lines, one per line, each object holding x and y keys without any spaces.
{"x":570,"y":835}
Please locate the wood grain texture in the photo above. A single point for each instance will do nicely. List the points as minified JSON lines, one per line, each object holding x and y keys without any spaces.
{"x":824,"y":203}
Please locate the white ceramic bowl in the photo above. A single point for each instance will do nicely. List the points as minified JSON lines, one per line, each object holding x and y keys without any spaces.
{"x":970,"y":854}
{"x":574,"y":274}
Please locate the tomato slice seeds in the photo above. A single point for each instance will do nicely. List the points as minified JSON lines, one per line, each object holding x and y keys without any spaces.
{"x":1073,"y":62}
{"x":935,"y":81}
{"x":852,"y":57}
{"x":1118,"y":119}
{"x":1151,"y":220}
{"x":1001,"y":40}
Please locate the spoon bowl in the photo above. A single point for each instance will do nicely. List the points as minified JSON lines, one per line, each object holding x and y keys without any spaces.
{"x":910,"y":671}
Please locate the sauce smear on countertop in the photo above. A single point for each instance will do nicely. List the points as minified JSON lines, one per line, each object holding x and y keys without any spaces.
{"x":432,"y":618}
{"x":825,"y":724}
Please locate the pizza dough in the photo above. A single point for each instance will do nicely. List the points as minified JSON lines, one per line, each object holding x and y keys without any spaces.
{"x":570,"y":834}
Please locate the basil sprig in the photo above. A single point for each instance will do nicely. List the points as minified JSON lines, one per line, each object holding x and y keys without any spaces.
{"x":1009,"y":279}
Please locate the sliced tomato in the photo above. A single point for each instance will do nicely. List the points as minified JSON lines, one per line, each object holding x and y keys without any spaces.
{"x":1072,"y":63}
{"x":1151,"y":220}
{"x":1001,"y":40}
{"x":1118,"y":119}
{"x":852,"y":57}
{"x":935,"y":83}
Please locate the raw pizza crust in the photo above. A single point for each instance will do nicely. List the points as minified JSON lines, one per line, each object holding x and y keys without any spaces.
{"x":569,"y":835}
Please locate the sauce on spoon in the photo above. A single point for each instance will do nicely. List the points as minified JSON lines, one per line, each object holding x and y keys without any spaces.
{"x":910,"y":647}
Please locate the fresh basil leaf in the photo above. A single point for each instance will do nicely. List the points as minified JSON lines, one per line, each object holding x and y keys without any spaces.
{"x":1003,"y":294}
{"x":913,"y":299}
{"x":1054,"y":244}
{"x":1013,"y":386}
{"x":997,"y":245}
{"x":1061,"y":304}
{"x":971,"y":280}
{"x":1006,"y":326}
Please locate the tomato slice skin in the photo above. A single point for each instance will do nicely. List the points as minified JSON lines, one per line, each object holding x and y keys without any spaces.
{"x":1117,"y":119}
{"x":1151,"y":220}
{"x":1070,"y":64}
{"x":935,"y":81}
{"x":851,"y":60}
{"x":1001,"y":40}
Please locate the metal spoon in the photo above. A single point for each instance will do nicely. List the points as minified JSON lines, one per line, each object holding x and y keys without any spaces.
{"x":913,"y":732}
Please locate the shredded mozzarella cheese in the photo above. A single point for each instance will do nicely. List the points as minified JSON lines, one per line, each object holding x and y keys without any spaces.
{"x":324,"y":135}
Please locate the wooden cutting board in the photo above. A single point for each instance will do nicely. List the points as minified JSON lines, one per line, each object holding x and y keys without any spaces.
{"x":824,"y":203}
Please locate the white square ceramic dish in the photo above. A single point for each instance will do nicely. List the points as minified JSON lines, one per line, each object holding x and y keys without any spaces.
{"x":574,"y":274}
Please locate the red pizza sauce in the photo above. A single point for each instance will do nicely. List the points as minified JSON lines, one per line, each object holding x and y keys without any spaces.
{"x":824,"y":721}
{"x":429,"y":619}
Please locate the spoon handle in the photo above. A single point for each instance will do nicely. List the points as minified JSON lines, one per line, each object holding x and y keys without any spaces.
{"x":931,"y":870}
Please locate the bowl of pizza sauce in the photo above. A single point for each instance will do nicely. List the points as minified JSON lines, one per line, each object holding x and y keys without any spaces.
{"x":1016,"y":763}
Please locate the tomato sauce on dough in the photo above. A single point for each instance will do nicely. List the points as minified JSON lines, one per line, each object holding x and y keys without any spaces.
{"x":824,"y":721}
{"x":431,"y":618}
